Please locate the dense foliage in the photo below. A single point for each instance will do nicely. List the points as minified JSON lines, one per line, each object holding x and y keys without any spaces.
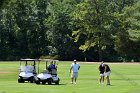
{"x":91,"y":30}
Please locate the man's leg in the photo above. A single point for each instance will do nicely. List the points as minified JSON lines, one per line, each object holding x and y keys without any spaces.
{"x":108,"y":80}
{"x":100,"y":80}
{"x":75,"y":77}
{"x":72,"y":80}
{"x":103,"y":79}
{"x":72,"y":77}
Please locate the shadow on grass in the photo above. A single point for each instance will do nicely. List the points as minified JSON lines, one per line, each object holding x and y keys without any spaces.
{"x":52,"y":84}
{"x":110,"y":85}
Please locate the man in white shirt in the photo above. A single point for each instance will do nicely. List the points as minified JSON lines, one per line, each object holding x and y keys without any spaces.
{"x":74,"y":68}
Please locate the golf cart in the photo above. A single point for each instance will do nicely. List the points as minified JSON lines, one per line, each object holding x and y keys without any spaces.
{"x":48,"y":75}
{"x":27,"y":71}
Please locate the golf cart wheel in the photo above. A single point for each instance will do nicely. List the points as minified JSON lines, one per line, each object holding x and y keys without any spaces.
{"x":43,"y":82}
{"x":37,"y":81}
{"x":31,"y":79}
{"x":49,"y":81}
{"x":57,"y":82}
{"x":20,"y":80}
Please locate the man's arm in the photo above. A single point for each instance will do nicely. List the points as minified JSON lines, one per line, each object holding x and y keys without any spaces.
{"x":105,"y":68}
{"x":70,"y":69}
{"x":99,"y":68}
{"x":79,"y":67}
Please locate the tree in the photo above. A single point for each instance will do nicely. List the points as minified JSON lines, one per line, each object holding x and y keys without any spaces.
{"x":2,"y":2}
{"x":92,"y":29}
{"x":132,"y":15}
{"x":37,"y":41}
{"x":128,"y":40}
{"x":59,"y":33}
{"x":8,"y":39}
{"x":92,"y":21}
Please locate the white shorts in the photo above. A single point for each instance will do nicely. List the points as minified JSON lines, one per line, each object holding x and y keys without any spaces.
{"x":107,"y":73}
{"x":102,"y":74}
{"x":74,"y":74}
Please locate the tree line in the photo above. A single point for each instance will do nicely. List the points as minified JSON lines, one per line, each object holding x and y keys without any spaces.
{"x":86,"y":30}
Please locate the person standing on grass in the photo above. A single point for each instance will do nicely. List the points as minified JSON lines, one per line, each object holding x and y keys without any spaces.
{"x":74,"y":71}
{"x":101,"y":70}
{"x":107,"y":72}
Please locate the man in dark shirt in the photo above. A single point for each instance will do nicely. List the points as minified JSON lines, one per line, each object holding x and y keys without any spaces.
{"x":107,"y":72}
{"x":101,"y":70}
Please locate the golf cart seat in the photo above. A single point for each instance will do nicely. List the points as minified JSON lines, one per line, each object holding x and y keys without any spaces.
{"x":53,"y":72}
{"x":27,"y":69}
{"x":45,"y":71}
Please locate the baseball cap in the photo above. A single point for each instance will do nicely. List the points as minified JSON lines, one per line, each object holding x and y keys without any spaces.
{"x":74,"y":60}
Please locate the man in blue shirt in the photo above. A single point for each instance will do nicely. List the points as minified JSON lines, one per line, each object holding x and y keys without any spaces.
{"x":51,"y":66}
{"x":74,"y":68}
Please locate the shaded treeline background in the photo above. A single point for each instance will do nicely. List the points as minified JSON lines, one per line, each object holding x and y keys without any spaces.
{"x":91,"y":30}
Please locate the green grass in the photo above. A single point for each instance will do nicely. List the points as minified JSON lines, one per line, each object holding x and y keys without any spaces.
{"x":125,"y":78}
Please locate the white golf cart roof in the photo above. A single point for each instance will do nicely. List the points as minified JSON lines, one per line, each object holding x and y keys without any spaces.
{"x":28,"y":59}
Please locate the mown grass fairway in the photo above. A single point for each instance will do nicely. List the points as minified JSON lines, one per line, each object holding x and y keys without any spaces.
{"x":125,"y":78}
